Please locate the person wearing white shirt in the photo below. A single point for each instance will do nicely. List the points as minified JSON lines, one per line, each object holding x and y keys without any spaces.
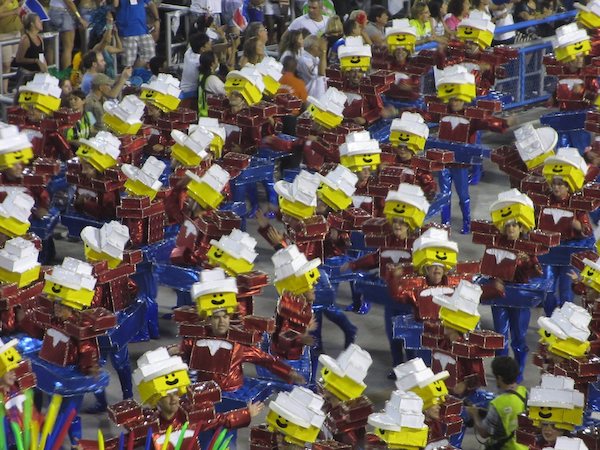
{"x":199,"y":43}
{"x":314,"y":22}
{"x":312,"y":64}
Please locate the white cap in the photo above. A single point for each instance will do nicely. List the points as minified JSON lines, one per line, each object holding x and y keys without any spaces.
{"x":249,"y":73}
{"x":198,"y":140}
{"x":105,"y":143}
{"x":434,"y":237}
{"x":11,"y":139}
{"x":17,"y":204}
{"x":212,"y":125}
{"x":569,"y":34}
{"x":213,"y":281}
{"x":303,"y":189}
{"x":402,"y":410}
{"x":400,"y":26}
{"x":148,"y":175}
{"x":10,"y":344}
{"x":164,"y":83}
{"x":568,"y":443}
{"x":415,"y":373}
{"x":156,"y":363}
{"x":19,"y":255}
{"x":353,"y":362}
{"x":129,"y":110}
{"x":568,"y":321}
{"x":465,"y":298}
{"x":43,"y":83}
{"x":354,"y":46}
{"x":569,"y":156}
{"x":411,"y":123}
{"x":359,"y":143}
{"x":556,"y":392}
{"x":238,"y":244}
{"x":531,"y":142}
{"x":457,"y":74}
{"x":270,"y":67}
{"x":341,"y":178}
{"x":478,"y":20}
{"x":300,"y":406}
{"x":216,"y":177}
{"x":73,"y":274}
{"x":333,"y":101}
{"x":592,"y":7}
{"x":110,"y":239}
{"x":290,"y":261}
{"x":411,"y":194}
{"x":511,"y":197}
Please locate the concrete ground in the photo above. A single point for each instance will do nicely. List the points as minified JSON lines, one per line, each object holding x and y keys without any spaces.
{"x":371,"y":335}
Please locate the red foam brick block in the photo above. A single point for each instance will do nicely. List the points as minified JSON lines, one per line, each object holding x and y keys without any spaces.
{"x":124,"y":412}
{"x":487,"y":339}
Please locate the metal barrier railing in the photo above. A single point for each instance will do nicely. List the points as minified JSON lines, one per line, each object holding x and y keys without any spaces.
{"x":175,"y":14}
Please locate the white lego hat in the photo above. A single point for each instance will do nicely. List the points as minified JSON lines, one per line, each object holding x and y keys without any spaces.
{"x":400,"y":26}
{"x":415,"y":373}
{"x":478,"y":20}
{"x":251,"y":74}
{"x":353,"y":362}
{"x":569,"y":34}
{"x":411,"y":123}
{"x":568,"y":443}
{"x":270,"y":67}
{"x":11,"y":139}
{"x":465,"y":298}
{"x":164,"y":83}
{"x":216,"y":177}
{"x":568,"y":321}
{"x":411,"y":194}
{"x":592,"y":7}
{"x":402,"y":410}
{"x":105,"y":143}
{"x":532,"y":142}
{"x":17,"y":205}
{"x":238,"y":244}
{"x":197,"y":141}
{"x":129,"y":110}
{"x":333,"y":101}
{"x":211,"y":125}
{"x":156,"y":363}
{"x":110,"y":239}
{"x":457,"y":74}
{"x":148,"y":174}
{"x":359,"y":143}
{"x":569,"y":156}
{"x":300,"y":406}
{"x":341,"y":178}
{"x":19,"y":255}
{"x":434,"y":237}
{"x":556,"y":392}
{"x":511,"y":197}
{"x":354,"y":46}
{"x":291,"y":261}
{"x":303,"y":189}
{"x":213,"y":281}
{"x":43,"y":83}
{"x":73,"y":274}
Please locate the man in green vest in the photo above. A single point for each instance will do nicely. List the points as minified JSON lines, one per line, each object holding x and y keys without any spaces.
{"x":500,"y":423}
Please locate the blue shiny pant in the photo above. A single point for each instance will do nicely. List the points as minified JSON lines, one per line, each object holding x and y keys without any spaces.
{"x":513,"y":324}
{"x":561,"y":287}
{"x":334,"y":314}
{"x":460,"y":178}
{"x":392,"y":309}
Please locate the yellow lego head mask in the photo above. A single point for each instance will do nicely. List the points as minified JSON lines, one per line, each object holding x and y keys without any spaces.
{"x":410,"y":131}
{"x":214,"y":292}
{"x":556,"y":401}
{"x":293,"y":272}
{"x":297,"y":415}
{"x":71,"y":284}
{"x":299,"y":198}
{"x":207,"y":189}
{"x":144,"y":181}
{"x":125,"y":117}
{"x":569,"y":327}
{"x":590,"y":275}
{"x":19,"y":262}
{"x":15,"y":147}
{"x":434,"y":248}
{"x":337,"y":187}
{"x":513,"y":205}
{"x":328,"y":111}
{"x":535,"y":145}
{"x":191,"y":150}
{"x":9,"y":356}
{"x":402,"y":424}
{"x":248,"y":82}
{"x":41,"y":93}
{"x":401,"y":34}
{"x":234,"y":253}
{"x":568,"y":165}
{"x":106,"y":243}
{"x":478,"y":28}
{"x":270,"y":69}
{"x":571,"y":42}
{"x":162,"y":92}
{"x":415,"y":376}
{"x":460,"y":311}
{"x":360,"y":151}
{"x":354,"y":54}
{"x":589,"y":15}
{"x":407,"y":203}
{"x":15,"y":211}
{"x":455,"y":82}
{"x":159,"y":374}
{"x":101,"y":151}
{"x":344,"y":376}
{"x":217,"y":131}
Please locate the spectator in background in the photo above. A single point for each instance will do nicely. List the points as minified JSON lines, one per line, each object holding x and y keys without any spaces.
{"x":290,"y":83}
{"x":312,"y":65}
{"x":333,"y":32}
{"x":503,"y":16}
{"x":253,"y":11}
{"x":275,"y":17}
{"x":101,"y":86}
{"x":314,"y":21}
{"x":375,"y":29}
{"x":65,"y":88}
{"x":30,"y":54}
{"x":361,"y":19}
{"x":254,"y":51}
{"x":292,"y":44}
{"x":208,"y":82}
{"x":438,"y":10}
{"x":93,"y":63}
{"x":528,"y":10}
{"x":199,"y":43}
{"x":83,"y":127}
{"x":157,"y":65}
{"x":10,"y":28}
{"x":421,"y":20}
{"x":138,"y":44}
{"x":457,"y":11}
{"x":109,"y":45}
{"x":257,"y":29}
{"x":64,"y":18}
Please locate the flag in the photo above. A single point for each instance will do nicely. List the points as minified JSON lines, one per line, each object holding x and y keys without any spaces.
{"x":239,"y":19}
{"x":34,"y":6}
